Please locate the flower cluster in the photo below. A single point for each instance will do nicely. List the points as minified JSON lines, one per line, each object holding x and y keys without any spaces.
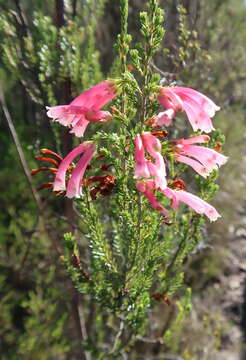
{"x":83,"y":109}
{"x":150,"y":164}
{"x":199,"y":109}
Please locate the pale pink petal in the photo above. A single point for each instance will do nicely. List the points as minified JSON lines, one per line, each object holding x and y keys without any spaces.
{"x":210,"y":158}
{"x":80,"y":127}
{"x":208,"y":105}
{"x":160,"y":172}
{"x":74,"y":188}
{"x":76,"y":119}
{"x":98,"y":116}
{"x":197,"y":166}
{"x":60,"y":178}
{"x":76,"y":110}
{"x":141,"y":186}
{"x":55,"y":112}
{"x":170,"y":94}
{"x":198,"y":107}
{"x":58,"y":113}
{"x":64,"y":114}
{"x":146,"y":168}
{"x":85,"y":108}
{"x":141,"y":170}
{"x":141,"y":164}
{"x":97,"y":96}
{"x":198,"y":205}
{"x":172,"y":195}
{"x":200,"y":103}
{"x":194,"y":140}
{"x":151,"y":143}
{"x":166,"y":103}
{"x":164,"y":118}
{"x":198,"y":119}
{"x":148,"y":192}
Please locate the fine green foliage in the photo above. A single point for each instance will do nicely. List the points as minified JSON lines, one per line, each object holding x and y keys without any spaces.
{"x":127,"y":263}
{"x":133,"y":250}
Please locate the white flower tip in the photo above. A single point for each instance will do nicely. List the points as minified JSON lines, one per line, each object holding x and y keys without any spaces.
{"x":212,"y":214}
{"x":225,"y":159}
{"x":208,"y":130}
{"x":77,"y":131}
{"x":71,"y":195}
{"x":49,"y":112}
{"x":161,"y":184}
{"x":59,"y":187}
{"x":214,"y":217}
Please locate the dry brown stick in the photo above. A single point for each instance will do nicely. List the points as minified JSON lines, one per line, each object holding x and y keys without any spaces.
{"x":24,"y":166}
{"x":75,"y":305}
{"x":80,"y":326}
{"x":20,"y":151}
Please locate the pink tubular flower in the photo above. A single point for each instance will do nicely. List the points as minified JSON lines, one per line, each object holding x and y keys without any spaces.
{"x":146,"y":168}
{"x":198,"y":107}
{"x":164,"y":118}
{"x":141,"y":163}
{"x":148,"y":188}
{"x":200,"y":206}
{"x":85,"y":108}
{"x":74,"y":183}
{"x":203,"y":160}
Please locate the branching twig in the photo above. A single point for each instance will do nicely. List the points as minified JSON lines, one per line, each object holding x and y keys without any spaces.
{"x":117,"y":337}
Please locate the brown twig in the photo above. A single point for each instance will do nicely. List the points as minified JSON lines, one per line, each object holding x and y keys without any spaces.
{"x":20,"y":151}
{"x":80,"y":326}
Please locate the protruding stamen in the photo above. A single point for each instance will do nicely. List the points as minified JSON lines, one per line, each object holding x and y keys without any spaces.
{"x":50,"y":160}
{"x":50,"y":152}
{"x":45,"y":186}
{"x":162,"y":133}
{"x":35,"y":171}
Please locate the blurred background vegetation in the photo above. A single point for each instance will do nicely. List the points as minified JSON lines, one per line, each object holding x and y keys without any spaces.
{"x":52,"y":51}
